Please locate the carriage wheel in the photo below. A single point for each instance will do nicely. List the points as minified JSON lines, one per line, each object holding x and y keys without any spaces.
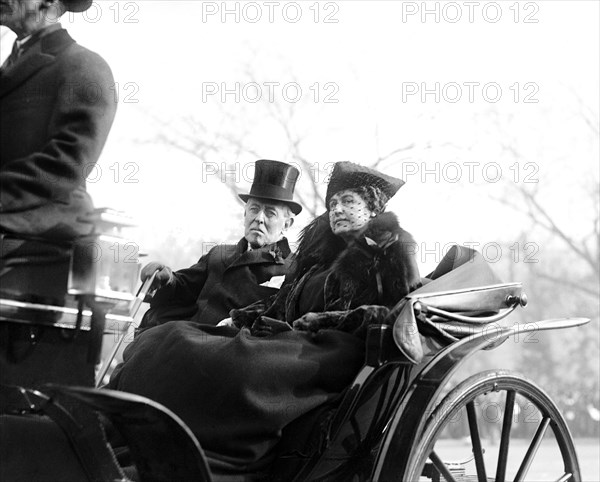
{"x":503,"y":420}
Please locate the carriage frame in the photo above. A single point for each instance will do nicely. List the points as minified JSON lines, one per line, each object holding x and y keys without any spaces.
{"x":386,"y":426}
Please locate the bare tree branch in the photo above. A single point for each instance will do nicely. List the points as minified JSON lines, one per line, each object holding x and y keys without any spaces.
{"x":563,"y":281}
{"x":588,"y":117}
{"x":535,"y":210}
{"x":232,"y":137}
{"x":555,"y":229}
{"x":398,"y":150}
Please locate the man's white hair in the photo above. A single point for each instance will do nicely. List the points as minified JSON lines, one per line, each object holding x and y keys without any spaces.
{"x":287,"y":211}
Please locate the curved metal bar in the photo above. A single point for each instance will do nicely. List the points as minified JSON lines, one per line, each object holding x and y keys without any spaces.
{"x":65,"y":317}
{"x":82,"y":429}
{"x":392,"y":459}
{"x":143,"y":424}
{"x":478,"y":320}
{"x":135,"y":306}
{"x":17,"y":400}
{"x":141,"y":294}
{"x":480,"y":298}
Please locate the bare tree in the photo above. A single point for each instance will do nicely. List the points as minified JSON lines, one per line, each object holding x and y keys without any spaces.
{"x":231,"y":138}
{"x":582,"y":251}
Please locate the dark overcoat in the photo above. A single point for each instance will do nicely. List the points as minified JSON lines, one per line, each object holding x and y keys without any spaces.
{"x":57,"y":104}
{"x":228,"y":276}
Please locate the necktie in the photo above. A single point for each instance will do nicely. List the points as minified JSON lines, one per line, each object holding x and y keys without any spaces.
{"x":12,"y":58}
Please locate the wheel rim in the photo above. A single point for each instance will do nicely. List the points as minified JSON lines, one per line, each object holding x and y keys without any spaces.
{"x":516,"y":407}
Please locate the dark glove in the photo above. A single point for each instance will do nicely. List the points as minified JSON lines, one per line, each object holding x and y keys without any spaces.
{"x":265,"y":326}
{"x":358,"y":320}
{"x":319,"y":321}
{"x":354,"y":321}
{"x":245,"y":317}
{"x":163,"y":277}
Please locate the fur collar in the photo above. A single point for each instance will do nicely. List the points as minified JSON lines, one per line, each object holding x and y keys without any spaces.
{"x":379,"y":267}
{"x":319,"y":246}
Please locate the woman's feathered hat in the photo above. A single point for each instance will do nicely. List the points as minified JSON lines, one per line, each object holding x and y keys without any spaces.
{"x":348,"y":175}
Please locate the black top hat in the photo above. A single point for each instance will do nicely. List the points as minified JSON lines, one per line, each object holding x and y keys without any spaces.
{"x":347,"y":175}
{"x":275,"y":181}
{"x":77,"y":5}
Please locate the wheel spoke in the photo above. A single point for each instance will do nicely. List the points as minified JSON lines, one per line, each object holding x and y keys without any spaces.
{"x":532,"y":450}
{"x":565,"y":478}
{"x":441,"y":466}
{"x":505,"y":438}
{"x":476,"y":441}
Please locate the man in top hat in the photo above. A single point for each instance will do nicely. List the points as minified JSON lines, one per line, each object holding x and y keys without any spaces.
{"x":234,"y":276}
{"x":56,"y":109}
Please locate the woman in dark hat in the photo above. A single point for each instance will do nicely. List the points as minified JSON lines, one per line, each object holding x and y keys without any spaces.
{"x":236,"y":387}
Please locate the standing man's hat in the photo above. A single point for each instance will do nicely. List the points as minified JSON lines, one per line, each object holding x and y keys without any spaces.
{"x":77,"y":5}
{"x":275,"y":181}
{"x":347,"y":175}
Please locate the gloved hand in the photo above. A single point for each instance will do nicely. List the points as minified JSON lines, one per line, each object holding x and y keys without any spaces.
{"x":163,"y":277}
{"x":265,"y":326}
{"x":353,"y":321}
{"x":314,"y":322}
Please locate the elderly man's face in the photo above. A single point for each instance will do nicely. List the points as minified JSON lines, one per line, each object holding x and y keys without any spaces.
{"x":21,"y":16}
{"x":265,"y":222}
{"x":15,"y":13}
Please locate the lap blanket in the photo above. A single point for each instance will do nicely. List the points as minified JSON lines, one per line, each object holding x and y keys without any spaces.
{"x":234,"y":390}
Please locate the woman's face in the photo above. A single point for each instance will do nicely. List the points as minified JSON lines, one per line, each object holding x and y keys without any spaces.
{"x":348,"y":214}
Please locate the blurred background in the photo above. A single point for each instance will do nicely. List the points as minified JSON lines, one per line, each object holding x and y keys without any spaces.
{"x":488,"y":110}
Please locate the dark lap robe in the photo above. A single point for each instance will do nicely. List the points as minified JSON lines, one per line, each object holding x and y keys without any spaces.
{"x":236,"y":391}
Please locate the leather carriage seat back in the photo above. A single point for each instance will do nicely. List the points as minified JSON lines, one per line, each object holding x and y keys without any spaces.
{"x":455,"y":257}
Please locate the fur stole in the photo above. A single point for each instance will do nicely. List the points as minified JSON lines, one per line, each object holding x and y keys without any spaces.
{"x":377,"y":268}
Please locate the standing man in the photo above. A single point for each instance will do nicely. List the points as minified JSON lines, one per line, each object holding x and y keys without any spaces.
{"x":234,"y":276}
{"x":56,"y":109}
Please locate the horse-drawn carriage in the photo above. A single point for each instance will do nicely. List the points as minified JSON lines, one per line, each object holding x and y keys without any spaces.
{"x":392,"y":424}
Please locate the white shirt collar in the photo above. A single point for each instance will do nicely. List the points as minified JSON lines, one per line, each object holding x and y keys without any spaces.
{"x":22,"y":42}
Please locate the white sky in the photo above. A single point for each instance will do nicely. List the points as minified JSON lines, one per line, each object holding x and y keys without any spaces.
{"x":373,"y":54}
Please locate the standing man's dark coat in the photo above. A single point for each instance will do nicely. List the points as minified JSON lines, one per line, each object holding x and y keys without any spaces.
{"x":57,"y":105}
